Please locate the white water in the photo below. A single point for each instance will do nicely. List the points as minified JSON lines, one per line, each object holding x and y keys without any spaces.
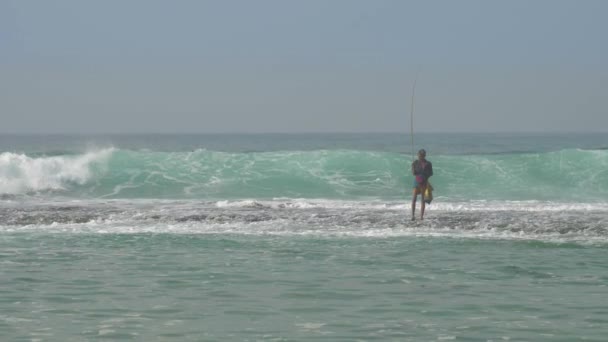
{"x":20,"y":173}
{"x":528,"y":220}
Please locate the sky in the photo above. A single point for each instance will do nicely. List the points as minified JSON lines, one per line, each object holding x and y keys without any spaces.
{"x":146,"y":66}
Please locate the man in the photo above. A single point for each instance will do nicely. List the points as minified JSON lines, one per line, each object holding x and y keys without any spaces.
{"x":422,"y":170}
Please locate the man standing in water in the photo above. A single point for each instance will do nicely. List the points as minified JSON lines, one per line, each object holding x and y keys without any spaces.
{"x":422,"y":170}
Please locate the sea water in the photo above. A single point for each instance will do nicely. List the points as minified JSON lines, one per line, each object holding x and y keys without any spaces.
{"x":302,"y":237}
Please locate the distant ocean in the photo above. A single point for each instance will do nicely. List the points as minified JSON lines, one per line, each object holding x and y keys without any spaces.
{"x":302,"y":237}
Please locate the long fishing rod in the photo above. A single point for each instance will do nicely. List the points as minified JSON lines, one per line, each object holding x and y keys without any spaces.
{"x":412,"y":114}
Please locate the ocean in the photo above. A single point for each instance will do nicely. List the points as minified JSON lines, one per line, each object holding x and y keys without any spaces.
{"x":303,"y":237}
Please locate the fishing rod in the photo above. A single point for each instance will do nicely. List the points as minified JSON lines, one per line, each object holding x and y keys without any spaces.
{"x":412,"y":113}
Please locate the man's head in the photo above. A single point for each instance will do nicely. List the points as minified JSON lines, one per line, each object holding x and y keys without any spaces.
{"x":421,"y":154}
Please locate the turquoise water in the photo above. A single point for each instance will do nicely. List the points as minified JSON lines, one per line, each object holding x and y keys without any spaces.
{"x":301,"y":238}
{"x":159,"y":287}
{"x":549,"y":168}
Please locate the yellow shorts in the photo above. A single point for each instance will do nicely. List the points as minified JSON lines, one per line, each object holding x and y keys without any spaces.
{"x":420,"y":189}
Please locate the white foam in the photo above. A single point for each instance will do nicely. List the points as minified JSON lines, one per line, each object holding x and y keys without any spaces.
{"x":20,"y":173}
{"x":440,"y":205}
{"x":286,"y":229}
{"x":239,"y":204}
{"x":375,"y":204}
{"x":530,"y":220}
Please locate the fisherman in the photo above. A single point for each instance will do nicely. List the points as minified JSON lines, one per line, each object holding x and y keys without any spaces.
{"x":422,"y":170}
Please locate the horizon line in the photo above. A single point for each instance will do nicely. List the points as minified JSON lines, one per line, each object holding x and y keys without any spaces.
{"x":297,"y":133}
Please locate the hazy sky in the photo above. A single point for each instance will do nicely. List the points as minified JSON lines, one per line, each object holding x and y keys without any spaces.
{"x":300,"y":66}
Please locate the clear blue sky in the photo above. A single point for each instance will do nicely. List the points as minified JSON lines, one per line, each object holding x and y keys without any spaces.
{"x":291,"y":66}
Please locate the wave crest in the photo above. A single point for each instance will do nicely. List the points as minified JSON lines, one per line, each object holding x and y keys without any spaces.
{"x":20,"y":174}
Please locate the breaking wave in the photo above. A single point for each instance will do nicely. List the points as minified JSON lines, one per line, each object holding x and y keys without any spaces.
{"x":567,"y":175}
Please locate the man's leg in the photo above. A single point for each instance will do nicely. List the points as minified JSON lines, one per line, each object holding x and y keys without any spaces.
{"x":422,"y":202}
{"x":414,"y":204}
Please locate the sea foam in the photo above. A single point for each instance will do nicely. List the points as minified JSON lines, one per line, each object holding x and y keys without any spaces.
{"x":21,"y":174}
